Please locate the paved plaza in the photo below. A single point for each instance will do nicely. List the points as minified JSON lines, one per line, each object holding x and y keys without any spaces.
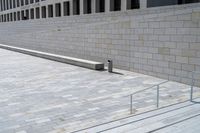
{"x":43,"y":96}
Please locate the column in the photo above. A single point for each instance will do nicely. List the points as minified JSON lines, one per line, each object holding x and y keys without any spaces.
{"x":0,"y":5}
{"x":30,"y":13}
{"x":62,"y":8}
{"x":71,"y":7}
{"x":93,"y":6}
{"x":81,"y":7}
{"x":6,"y":3}
{"x":40,"y":12}
{"x":123,"y":5}
{"x":47,"y":11}
{"x":143,"y":4}
{"x":107,"y":5}
{"x":54,"y":10}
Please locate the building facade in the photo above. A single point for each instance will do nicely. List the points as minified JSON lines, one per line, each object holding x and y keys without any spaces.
{"x":155,"y":37}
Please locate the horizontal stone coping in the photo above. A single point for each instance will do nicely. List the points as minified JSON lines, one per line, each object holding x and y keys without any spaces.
{"x":64,"y":59}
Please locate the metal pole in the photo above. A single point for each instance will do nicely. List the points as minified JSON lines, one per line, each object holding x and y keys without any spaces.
{"x":157,"y":96}
{"x":192,"y":86}
{"x":131,"y":104}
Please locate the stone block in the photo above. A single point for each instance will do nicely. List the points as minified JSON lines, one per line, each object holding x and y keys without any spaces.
{"x":189,"y":53}
{"x":180,"y":59}
{"x":196,"y":16}
{"x":163,"y":51}
{"x":195,"y":61}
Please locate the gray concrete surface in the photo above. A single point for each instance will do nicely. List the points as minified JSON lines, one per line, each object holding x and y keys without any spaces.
{"x":43,"y":96}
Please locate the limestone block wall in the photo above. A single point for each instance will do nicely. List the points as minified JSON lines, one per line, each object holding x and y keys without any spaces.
{"x":162,"y":42}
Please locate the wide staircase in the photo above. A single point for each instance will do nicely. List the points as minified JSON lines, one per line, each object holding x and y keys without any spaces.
{"x":167,"y":119}
{"x":179,"y":117}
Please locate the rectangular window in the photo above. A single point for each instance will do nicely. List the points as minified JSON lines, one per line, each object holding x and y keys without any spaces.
{"x":26,"y":2}
{"x":31,"y":1}
{"x":44,"y":12}
{"x":100,"y":6}
{"x":1,"y":5}
{"x":22,"y":2}
{"x":22,"y":15}
{"x":8,"y":17}
{"x":27,"y":14}
{"x":5,"y":18}
{"x":2,"y":18}
{"x":37,"y":0}
{"x":66,"y":8}
{"x":18,"y":16}
{"x":15,"y":16}
{"x":58,"y":9}
{"x":156,"y":3}
{"x":76,"y":7}
{"x":14,"y":4}
{"x":4,"y":6}
{"x":18,"y":3}
{"x":133,"y":4}
{"x":7,"y":5}
{"x":10,"y":4}
{"x":115,"y":5}
{"x":32,"y":13}
{"x":11,"y":17}
{"x":87,"y":7}
{"x":50,"y":11}
{"x":37,"y":13}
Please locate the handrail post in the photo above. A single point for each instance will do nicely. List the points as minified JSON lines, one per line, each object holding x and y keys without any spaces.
{"x":192,"y":87}
{"x":157,"y":96}
{"x":131,"y":104}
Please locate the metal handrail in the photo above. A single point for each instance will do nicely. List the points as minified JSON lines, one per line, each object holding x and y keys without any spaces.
{"x":192,"y":85}
{"x":157,"y":98}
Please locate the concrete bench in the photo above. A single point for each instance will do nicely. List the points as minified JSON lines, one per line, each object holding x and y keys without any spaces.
{"x":64,"y":59}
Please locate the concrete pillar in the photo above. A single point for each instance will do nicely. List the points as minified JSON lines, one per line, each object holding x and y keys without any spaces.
{"x":107,"y":5}
{"x":93,"y":6}
{"x":30,"y":13}
{"x":47,"y":11}
{"x":81,"y":7}
{"x":123,"y":5}
{"x":62,"y":8}
{"x":71,"y":7}
{"x":40,"y":12}
{"x":3,"y":5}
{"x":54,"y":10}
{"x":0,"y":5}
{"x":143,"y":4}
{"x":6,"y":5}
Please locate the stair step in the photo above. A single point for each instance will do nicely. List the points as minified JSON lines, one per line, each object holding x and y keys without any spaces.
{"x":135,"y":118}
{"x":158,"y":121}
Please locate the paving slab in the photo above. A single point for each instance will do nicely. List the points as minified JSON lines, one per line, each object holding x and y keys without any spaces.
{"x":39,"y":95}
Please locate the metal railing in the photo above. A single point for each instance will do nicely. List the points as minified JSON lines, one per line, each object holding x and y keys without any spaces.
{"x":192,"y":85}
{"x":157,"y":96}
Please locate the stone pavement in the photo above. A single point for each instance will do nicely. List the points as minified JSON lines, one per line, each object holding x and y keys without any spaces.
{"x":43,"y":96}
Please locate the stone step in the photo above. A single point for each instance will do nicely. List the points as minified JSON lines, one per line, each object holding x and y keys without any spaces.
{"x":64,"y":59}
{"x":160,"y":121}
{"x":140,"y":121}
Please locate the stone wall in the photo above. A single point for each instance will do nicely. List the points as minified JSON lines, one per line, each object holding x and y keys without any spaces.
{"x":162,"y":41}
